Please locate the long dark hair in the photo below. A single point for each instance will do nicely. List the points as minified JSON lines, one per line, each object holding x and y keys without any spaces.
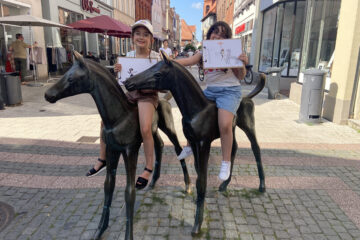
{"x":223,"y":27}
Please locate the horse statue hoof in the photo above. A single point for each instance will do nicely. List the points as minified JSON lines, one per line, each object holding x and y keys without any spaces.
{"x":262,"y":188}
{"x":195,"y":231}
{"x":99,"y":235}
{"x":223,"y":186}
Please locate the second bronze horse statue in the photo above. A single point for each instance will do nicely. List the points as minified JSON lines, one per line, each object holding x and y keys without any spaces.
{"x":121,"y":130}
{"x":200,"y":120}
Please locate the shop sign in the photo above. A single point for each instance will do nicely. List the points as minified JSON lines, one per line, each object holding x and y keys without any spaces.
{"x":87,"y":5}
{"x":240,"y":28}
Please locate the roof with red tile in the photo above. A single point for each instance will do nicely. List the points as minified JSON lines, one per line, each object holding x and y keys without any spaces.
{"x":187,"y":31}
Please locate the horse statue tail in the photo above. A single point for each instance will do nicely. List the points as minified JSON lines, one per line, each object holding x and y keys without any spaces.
{"x":245,"y":113}
{"x":258,"y":88}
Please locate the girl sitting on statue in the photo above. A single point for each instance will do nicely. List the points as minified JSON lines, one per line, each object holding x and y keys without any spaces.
{"x":223,"y":87}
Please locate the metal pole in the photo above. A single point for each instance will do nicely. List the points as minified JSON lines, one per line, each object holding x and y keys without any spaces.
{"x":106,"y":46}
{"x":35,"y":84}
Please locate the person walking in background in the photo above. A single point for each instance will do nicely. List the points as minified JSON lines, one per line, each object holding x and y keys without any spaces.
{"x":18,"y":47}
{"x":166,"y":48}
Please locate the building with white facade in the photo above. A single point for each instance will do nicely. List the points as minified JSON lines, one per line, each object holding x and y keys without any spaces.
{"x":244,"y":17}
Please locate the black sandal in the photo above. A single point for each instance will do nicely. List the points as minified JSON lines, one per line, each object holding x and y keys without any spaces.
{"x":142,"y":182}
{"x":92,"y":172}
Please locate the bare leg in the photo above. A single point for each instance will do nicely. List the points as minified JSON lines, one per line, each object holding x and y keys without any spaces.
{"x":102,"y":155}
{"x":225,"y":119}
{"x":146,"y":112}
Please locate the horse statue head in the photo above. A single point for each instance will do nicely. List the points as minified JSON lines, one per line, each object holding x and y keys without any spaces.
{"x":158,"y":76}
{"x":75,"y":81}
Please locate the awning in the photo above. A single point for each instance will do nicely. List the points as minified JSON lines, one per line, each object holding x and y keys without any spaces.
{"x":240,"y":28}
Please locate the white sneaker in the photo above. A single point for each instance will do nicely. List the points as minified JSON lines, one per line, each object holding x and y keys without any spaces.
{"x":225,"y":170}
{"x":186,"y":152}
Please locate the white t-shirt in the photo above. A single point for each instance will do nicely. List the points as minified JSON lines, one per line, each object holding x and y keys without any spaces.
{"x":220,"y":77}
{"x":167,"y":51}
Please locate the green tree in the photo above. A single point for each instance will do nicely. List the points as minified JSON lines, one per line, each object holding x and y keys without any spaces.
{"x":188,"y":47}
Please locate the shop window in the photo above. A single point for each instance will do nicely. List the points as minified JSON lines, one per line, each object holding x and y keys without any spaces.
{"x":320,"y":42}
{"x":297,"y":38}
{"x":282,"y":36}
{"x":71,"y":39}
{"x":284,"y":54}
{"x":267,"y":39}
{"x":277,"y":39}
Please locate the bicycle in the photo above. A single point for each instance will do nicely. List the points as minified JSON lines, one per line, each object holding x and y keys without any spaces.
{"x":249,"y":77}
{"x":201,"y":73}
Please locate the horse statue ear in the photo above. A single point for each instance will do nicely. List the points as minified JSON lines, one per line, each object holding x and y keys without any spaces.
{"x":79,"y":57}
{"x":165,"y":57}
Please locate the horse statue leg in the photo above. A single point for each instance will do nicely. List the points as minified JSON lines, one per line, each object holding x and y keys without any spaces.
{"x":130,"y":160}
{"x":112,"y":160}
{"x":224,"y":184}
{"x":166,"y":124}
{"x":201,"y":152}
{"x":246,"y":121}
{"x":159,"y":146}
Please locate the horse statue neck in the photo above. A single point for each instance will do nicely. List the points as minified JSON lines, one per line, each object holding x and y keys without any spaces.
{"x":187,"y":93}
{"x":110,"y":99}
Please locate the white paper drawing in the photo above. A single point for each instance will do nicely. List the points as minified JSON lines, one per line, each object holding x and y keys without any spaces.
{"x":222,"y":53}
{"x":133,"y":66}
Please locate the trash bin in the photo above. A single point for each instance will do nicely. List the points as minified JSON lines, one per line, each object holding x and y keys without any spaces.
{"x":10,"y":82}
{"x":273,"y":82}
{"x":312,"y":95}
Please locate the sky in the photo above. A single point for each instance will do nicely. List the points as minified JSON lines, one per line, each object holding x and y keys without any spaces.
{"x":191,"y":11}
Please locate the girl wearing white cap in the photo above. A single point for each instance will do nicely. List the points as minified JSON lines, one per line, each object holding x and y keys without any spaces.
{"x":147,"y":101}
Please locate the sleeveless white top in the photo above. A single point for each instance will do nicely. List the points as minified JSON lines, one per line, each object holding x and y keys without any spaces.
{"x":220,"y":78}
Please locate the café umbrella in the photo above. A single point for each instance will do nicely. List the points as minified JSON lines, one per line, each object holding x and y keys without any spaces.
{"x":103,"y":24}
{"x":31,"y":21}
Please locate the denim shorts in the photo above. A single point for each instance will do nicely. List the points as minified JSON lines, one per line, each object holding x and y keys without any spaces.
{"x":227,"y":98}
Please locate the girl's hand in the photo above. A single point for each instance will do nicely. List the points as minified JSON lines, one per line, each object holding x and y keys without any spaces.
{"x":117,"y":67}
{"x":243,"y":57}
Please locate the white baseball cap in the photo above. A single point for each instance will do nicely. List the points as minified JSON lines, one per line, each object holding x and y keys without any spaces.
{"x":143,"y":23}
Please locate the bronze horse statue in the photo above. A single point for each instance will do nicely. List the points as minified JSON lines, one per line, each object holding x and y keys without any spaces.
{"x":121,"y":130}
{"x":200,"y":120}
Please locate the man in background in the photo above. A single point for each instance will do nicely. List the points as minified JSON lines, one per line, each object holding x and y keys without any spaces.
{"x":18,"y":47}
{"x":166,"y":48}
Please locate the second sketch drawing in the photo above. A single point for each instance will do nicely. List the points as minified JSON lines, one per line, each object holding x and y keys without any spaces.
{"x":223,"y":54}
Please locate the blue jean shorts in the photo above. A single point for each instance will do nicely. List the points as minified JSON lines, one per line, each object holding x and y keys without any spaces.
{"x":227,"y":98}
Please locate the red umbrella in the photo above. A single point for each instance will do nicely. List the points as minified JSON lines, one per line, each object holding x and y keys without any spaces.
{"x":103,"y":24}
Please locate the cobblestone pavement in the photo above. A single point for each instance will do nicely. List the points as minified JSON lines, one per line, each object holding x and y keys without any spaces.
{"x":312,"y":178}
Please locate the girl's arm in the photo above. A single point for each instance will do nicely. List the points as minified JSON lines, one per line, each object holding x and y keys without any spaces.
{"x":241,"y":72}
{"x":194,"y":59}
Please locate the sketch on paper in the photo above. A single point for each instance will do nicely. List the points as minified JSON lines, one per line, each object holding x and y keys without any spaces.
{"x":222,"y":53}
{"x":133,"y":66}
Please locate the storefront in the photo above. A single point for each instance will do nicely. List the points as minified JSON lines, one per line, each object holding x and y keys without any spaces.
{"x":298,"y":35}
{"x":305,"y":34}
{"x":8,"y":32}
{"x":244,"y":14}
{"x":66,"y":12}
